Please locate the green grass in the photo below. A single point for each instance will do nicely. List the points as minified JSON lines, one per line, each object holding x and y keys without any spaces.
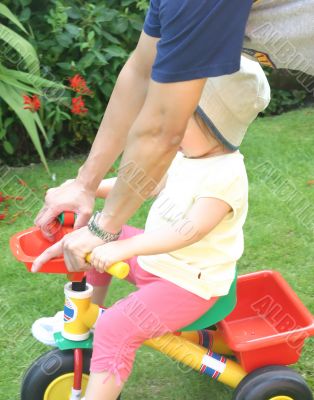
{"x":279,"y":235}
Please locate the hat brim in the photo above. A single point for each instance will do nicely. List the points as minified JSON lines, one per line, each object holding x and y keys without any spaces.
{"x":220,"y":120}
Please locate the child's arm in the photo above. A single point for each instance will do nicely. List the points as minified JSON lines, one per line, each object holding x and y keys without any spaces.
{"x":105,"y":186}
{"x":202,"y":218}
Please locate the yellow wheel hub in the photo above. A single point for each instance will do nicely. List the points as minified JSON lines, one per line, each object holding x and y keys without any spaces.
{"x":60,"y":388}
{"x":282,"y":398}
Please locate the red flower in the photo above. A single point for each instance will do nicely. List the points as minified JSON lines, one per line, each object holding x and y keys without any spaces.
{"x":78,"y":106}
{"x":78,"y":84}
{"x":31,"y":103}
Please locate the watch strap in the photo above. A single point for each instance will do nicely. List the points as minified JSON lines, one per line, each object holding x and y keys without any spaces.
{"x":96,"y":230}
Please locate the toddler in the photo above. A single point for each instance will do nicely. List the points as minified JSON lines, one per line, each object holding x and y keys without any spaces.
{"x":186,"y":256}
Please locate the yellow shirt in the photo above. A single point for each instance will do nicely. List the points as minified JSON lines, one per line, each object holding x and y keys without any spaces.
{"x":206,"y":268}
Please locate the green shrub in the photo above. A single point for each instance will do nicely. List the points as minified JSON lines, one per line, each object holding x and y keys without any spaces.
{"x":285,"y":100}
{"x":286,"y":92}
{"x":72,"y":36}
{"x":22,"y":79}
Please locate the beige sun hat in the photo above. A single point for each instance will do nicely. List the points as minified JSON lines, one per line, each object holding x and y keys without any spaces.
{"x":229,"y":103}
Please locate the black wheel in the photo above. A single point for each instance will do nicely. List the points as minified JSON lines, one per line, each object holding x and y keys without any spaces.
{"x":273,"y":383}
{"x":50,"y":377}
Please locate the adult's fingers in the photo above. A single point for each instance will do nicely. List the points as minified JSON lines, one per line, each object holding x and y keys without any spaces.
{"x":69,"y":261}
{"x":74,"y":257}
{"x":46,"y":222}
{"x":82,"y":219}
{"x":39,"y":215}
{"x":75,"y":263}
{"x":52,"y":252}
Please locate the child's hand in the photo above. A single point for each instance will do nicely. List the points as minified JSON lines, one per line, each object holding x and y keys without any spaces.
{"x":104,"y":256}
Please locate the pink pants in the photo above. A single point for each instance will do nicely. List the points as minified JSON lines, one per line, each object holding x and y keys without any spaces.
{"x":157,"y":307}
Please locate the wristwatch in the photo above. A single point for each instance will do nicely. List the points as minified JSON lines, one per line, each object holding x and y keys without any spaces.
{"x":96,"y":230}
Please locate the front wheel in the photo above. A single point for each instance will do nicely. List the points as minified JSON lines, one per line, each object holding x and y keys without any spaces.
{"x":273,"y":383}
{"x":50,"y":377}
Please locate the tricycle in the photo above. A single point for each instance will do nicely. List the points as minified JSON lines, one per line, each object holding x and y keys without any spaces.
{"x":246,"y":340}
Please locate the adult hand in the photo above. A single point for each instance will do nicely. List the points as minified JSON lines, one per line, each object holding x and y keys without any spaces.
{"x":70,"y":196}
{"x":74,"y":247}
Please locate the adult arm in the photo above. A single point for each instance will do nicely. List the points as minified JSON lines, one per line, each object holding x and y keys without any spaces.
{"x":125,"y":103}
{"x":151,"y":146}
{"x":106,"y":186}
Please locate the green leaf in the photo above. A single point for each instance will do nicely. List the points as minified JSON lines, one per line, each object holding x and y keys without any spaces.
{"x":30,"y":79}
{"x":136,"y":22}
{"x":13,"y":98}
{"x":65,"y":115}
{"x":25,"y":14}
{"x":73,"y":30}
{"x":106,"y":16}
{"x":100,"y":57}
{"x":91,"y":35}
{"x":40,"y":125}
{"x":110,"y":38}
{"x":25,"y":2}
{"x":73,"y":12}
{"x":13,"y":82}
{"x":86,"y":61}
{"x":2,"y":133}
{"x":8,"y":14}
{"x":126,"y":3}
{"x":8,"y":122}
{"x":65,"y":65}
{"x":22,"y":46}
{"x":84,"y":45}
{"x":121,"y":25}
{"x":8,"y":147}
{"x":51,"y":114}
{"x":115,"y":51}
{"x":63,"y":39}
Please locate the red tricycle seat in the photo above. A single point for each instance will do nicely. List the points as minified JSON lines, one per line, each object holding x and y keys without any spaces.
{"x":269,"y":323}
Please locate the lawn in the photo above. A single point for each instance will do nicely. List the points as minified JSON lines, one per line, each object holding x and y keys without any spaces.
{"x":279,"y":235}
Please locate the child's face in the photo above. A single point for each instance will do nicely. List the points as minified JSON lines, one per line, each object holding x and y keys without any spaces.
{"x":196,"y":140}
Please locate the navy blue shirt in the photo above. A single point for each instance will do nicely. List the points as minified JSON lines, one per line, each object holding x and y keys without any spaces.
{"x":198,"y":38}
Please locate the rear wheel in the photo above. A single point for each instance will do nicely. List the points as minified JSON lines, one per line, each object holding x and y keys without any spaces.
{"x":273,"y":383}
{"x":50,"y":377}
